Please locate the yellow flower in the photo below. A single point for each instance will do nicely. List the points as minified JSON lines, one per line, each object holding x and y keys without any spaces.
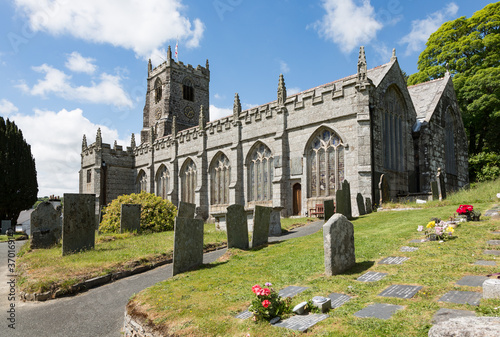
{"x":450,"y":229}
{"x":431,"y":224}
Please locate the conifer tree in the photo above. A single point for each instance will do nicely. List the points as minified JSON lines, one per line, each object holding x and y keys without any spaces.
{"x":18,"y":184}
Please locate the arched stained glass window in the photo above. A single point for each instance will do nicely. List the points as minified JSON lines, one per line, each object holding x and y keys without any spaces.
{"x":326,"y":164}
{"x":219,"y":180}
{"x":393,"y":130}
{"x":141,"y":182}
{"x":188,"y":182}
{"x":162,"y":180}
{"x":260,"y":174}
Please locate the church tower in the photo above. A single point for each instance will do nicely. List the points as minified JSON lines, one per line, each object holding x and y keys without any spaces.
{"x":174,"y":89}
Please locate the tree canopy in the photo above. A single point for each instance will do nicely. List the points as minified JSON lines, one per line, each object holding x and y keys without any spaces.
{"x":18,"y":184}
{"x":470,"y":48}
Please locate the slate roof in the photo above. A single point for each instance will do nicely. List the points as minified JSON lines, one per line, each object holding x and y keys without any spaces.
{"x":377,"y":74}
{"x":425,"y":96}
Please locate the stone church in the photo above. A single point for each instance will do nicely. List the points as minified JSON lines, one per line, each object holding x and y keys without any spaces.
{"x":291,"y":153}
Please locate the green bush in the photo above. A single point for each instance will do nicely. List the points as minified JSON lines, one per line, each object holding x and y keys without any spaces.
{"x":484,"y":166}
{"x":157,"y":214}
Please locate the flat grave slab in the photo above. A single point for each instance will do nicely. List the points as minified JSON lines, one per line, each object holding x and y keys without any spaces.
{"x":400,"y":291}
{"x":393,"y":260}
{"x":291,"y":291}
{"x":492,"y":252}
{"x":445,"y":314}
{"x":378,"y":310}
{"x":244,"y":314}
{"x":472,"y":281}
{"x":371,"y":276}
{"x":461,"y":297}
{"x":301,"y":322}
{"x":485,"y":263}
{"x":493,"y":242}
{"x":408,"y":249}
{"x":495,"y":232}
{"x":418,"y":240}
{"x":338,"y":299}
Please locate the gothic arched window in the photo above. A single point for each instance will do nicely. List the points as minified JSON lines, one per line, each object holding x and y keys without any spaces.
{"x":188,"y":90}
{"x":326,"y":164}
{"x":393,"y":127}
{"x":158,"y":90}
{"x":219,"y":180}
{"x":141,"y":182}
{"x":162,"y":179}
{"x":449,"y":144}
{"x":260,"y":174}
{"x":188,"y":182}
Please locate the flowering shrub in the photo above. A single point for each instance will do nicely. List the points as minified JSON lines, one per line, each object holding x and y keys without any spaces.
{"x":437,"y":228}
{"x":268,"y":304}
{"x":468,"y":211}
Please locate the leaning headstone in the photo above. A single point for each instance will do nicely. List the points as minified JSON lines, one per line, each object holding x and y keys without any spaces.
{"x":5,"y":226}
{"x":467,"y":326}
{"x":368,"y":205}
{"x":79,"y":223}
{"x":275,"y":222}
{"x":329,"y":208}
{"x":261,"y":217}
{"x":338,"y":240}
{"x":383,"y":187}
{"x":188,"y":244}
{"x":186,"y":210}
{"x":343,"y":200}
{"x":130,"y":218}
{"x":236,"y":227}
{"x":361,"y":204}
{"x":441,"y":185}
{"x":434,"y":190}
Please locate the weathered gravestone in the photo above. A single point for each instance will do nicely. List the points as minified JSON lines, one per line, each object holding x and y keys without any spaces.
{"x":378,"y":310}
{"x":186,"y":210}
{"x":275,"y":222}
{"x":434,"y":190}
{"x":78,"y":223}
{"x":236,"y":227}
{"x":361,"y":204}
{"x":329,"y":208}
{"x":5,"y":226}
{"x":383,"y":187}
{"x":45,"y":226}
{"x":466,"y":327}
{"x":130,"y":218}
{"x":261,"y":218}
{"x":441,"y":185}
{"x":338,"y":240}
{"x":343,"y":200}
{"x":188,"y":244}
{"x":368,"y":205}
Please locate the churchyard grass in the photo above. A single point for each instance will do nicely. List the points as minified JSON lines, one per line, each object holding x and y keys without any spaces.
{"x":205,"y":301}
{"x":290,"y":223}
{"x":5,"y":238}
{"x":45,"y":269}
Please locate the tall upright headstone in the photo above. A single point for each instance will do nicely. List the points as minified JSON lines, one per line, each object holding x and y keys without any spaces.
{"x":343,"y":200}
{"x":275,"y":222}
{"x":5,"y":226}
{"x":441,"y":185}
{"x":368,"y":205}
{"x":328,"y":208}
{"x":338,"y":240}
{"x":45,"y":226}
{"x":78,"y":223}
{"x":130,"y":218}
{"x":261,"y":218}
{"x":236,"y":227}
{"x":188,"y":244}
{"x":361,"y":204}
{"x":186,"y":210}
{"x":434,"y":190}
{"x":383,"y":187}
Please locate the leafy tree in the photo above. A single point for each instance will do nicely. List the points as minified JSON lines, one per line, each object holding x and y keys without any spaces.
{"x":18,"y":184}
{"x":157,"y":214}
{"x":471,"y":49}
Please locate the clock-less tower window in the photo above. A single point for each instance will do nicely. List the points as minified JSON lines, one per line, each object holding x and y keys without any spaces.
{"x":188,"y":90}
{"x":158,"y":90}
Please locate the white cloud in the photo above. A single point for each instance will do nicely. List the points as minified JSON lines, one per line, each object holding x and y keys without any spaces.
{"x":107,"y":91}
{"x":216,"y":113}
{"x":80,"y":64}
{"x":217,"y":96}
{"x":284,"y":68}
{"x":56,"y":146}
{"x":347,"y":24}
{"x":7,"y":107}
{"x":422,"y":29}
{"x":293,"y":91}
{"x":142,"y":26}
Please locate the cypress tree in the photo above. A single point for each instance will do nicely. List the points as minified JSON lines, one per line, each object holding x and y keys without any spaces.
{"x":18,"y":184}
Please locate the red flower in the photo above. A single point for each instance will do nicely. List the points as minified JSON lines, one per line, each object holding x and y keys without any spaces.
{"x":266,"y":292}
{"x":265,"y":303}
{"x":464,"y":209}
{"x":256,"y":289}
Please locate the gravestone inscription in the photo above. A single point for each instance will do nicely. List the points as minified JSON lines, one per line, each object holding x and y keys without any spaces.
{"x":371,"y":276}
{"x":236,"y":227}
{"x":261,"y":218}
{"x":301,"y":322}
{"x":338,"y":241}
{"x":244,"y":315}
{"x":130,"y":218}
{"x":338,"y":300}
{"x":393,"y":260}
{"x":78,"y":232}
{"x":472,"y":281}
{"x":400,"y":291}
{"x":291,"y":291}
{"x":188,"y":244}
{"x":408,"y":249}
{"x":378,"y":310}
{"x":461,"y":297}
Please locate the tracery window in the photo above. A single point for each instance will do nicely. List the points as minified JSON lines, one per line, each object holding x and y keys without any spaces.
{"x":260,"y":174}
{"x":449,"y":144}
{"x":219,"y":180}
{"x":158,"y":90}
{"x":141,"y":182}
{"x":188,"y":90}
{"x":188,"y":182}
{"x":393,"y":130}
{"x":162,"y":180}
{"x":326,"y":164}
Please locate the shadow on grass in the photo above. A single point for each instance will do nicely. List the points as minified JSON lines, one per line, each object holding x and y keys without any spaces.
{"x":359,"y":267}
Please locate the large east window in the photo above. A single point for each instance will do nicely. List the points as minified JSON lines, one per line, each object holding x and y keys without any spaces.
{"x":219,"y":180}
{"x":188,"y":181}
{"x":393,"y":127}
{"x":260,"y":174}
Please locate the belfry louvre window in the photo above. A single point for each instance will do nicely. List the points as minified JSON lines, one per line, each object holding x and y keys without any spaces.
{"x":188,"y":90}
{"x":162,"y":179}
{"x":89,"y":176}
{"x":158,"y":90}
{"x":326,"y":162}
{"x":393,"y":130}
{"x":260,"y":174}
{"x":219,"y":180}
{"x":188,"y":182}
{"x":141,"y":182}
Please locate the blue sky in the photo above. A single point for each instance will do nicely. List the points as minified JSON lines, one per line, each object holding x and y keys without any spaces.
{"x":68,"y":67}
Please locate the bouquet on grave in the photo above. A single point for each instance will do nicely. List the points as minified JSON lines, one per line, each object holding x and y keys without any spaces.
{"x":468,"y":211}
{"x":268,"y":304}
{"x":437,"y":230}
